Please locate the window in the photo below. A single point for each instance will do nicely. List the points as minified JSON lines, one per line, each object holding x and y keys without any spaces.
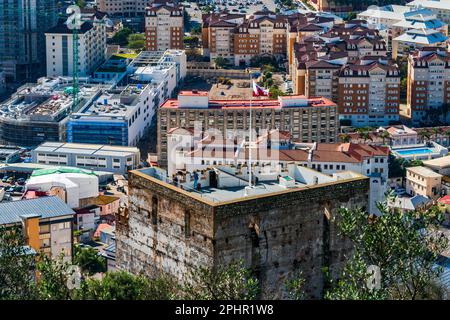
{"x":45,"y":243}
{"x":187,"y":223}
{"x":154,"y":213}
{"x":45,"y":228}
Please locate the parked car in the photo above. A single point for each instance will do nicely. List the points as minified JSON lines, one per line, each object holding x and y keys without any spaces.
{"x":19,"y":189}
{"x":5,"y":178}
{"x":21,"y":181}
{"x":10,"y":180}
{"x":10,"y":189}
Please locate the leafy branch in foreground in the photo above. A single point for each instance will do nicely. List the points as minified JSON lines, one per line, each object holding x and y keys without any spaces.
{"x":404,"y":245}
{"x":295,"y":287}
{"x":232,"y":282}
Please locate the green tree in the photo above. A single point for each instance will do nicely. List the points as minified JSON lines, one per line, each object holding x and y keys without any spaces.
{"x":413,"y":163}
{"x":121,"y":37}
{"x":350,"y":16}
{"x":295,"y":287}
{"x":81,"y":3}
{"x":196,"y":30}
{"x":191,"y":41}
{"x":345,"y":138}
{"x":405,"y":247}
{"x":89,"y":260}
{"x":274,"y":91}
{"x":17,"y":266}
{"x":221,"y":62}
{"x":352,"y":284}
{"x":425,"y":135}
{"x":384,"y":135}
{"x":231,"y":282}
{"x":53,"y":278}
{"x":436,"y":132}
{"x":364,"y":134}
{"x":136,"y":41}
{"x":122,"y":285}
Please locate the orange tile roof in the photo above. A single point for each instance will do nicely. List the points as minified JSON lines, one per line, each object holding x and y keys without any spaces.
{"x":325,"y":152}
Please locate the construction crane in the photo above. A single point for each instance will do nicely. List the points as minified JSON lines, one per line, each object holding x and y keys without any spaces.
{"x":74,"y":22}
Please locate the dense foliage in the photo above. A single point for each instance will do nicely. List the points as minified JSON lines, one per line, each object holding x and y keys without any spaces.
{"x":403,"y":245}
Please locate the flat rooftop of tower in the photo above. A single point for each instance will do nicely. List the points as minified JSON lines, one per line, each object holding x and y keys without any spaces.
{"x":230,"y":185}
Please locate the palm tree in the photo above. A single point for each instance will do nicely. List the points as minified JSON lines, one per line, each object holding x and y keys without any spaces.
{"x":436,"y":132}
{"x":425,"y":135}
{"x":345,"y":137}
{"x":384,"y":135}
{"x":365,"y":135}
{"x":447,"y":134}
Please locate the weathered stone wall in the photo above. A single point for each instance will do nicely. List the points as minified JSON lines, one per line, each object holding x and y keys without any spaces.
{"x":158,"y":241}
{"x":276,"y":235}
{"x":294,"y":232}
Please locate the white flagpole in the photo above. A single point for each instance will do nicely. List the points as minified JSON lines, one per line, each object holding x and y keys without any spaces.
{"x":250,"y":136}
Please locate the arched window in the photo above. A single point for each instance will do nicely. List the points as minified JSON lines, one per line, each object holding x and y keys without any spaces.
{"x":187,"y":223}
{"x":154,"y":212}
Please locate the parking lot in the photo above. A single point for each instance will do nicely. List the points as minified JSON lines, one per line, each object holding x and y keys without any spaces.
{"x":247,"y":7}
{"x":11,"y":188}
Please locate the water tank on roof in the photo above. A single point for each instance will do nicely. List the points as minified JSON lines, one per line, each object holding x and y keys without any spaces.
{"x":105,"y":101}
{"x":139,"y":86}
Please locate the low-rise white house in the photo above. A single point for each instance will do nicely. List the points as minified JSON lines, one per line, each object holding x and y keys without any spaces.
{"x":72,"y":185}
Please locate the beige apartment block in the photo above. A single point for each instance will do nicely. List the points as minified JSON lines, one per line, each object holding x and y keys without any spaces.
{"x":423,"y":181}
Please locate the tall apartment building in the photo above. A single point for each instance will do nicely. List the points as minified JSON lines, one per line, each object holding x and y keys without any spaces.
{"x":324,"y":53}
{"x":428,"y":84}
{"x":91,"y":49}
{"x":238,"y":39}
{"x":122,"y":7}
{"x":308,"y":120}
{"x":369,"y":92}
{"x":337,"y":7}
{"x":218,"y":34}
{"x":22,"y":40}
{"x":342,"y":65}
{"x":302,"y":26}
{"x":164,"y":26}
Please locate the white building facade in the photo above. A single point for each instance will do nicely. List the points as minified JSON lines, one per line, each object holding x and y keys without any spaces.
{"x":91,"y":49}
